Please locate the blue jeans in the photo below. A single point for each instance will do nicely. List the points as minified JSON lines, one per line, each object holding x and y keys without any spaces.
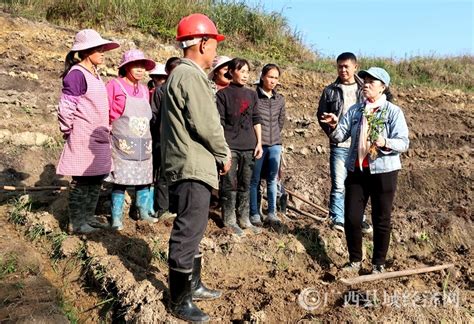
{"x":337,"y":160}
{"x":272,"y":155}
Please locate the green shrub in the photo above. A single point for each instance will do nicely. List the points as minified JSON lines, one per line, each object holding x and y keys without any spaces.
{"x":267,"y":34}
{"x":439,"y":72}
{"x":251,"y":32}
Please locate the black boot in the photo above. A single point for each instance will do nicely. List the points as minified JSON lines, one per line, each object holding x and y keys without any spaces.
{"x":283,"y":203}
{"x":201,"y":292}
{"x":243,"y":211}
{"x":228,"y":199}
{"x":181,"y":304}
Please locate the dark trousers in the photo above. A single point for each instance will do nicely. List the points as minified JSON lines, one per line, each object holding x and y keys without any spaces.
{"x":239,"y":176}
{"x":190,"y":201}
{"x":161,"y":187}
{"x":87,"y":180}
{"x":118,"y":188}
{"x":360,"y":185}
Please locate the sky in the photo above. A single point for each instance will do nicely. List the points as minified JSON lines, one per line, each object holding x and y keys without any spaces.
{"x":380,"y":28}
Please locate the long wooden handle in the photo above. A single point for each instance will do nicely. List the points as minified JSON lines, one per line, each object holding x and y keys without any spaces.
{"x":394,"y":274}
{"x":302,"y":212}
{"x":13,"y":188}
{"x":294,"y":194}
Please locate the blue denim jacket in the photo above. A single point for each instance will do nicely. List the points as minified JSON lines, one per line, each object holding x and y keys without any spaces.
{"x":395,"y":132}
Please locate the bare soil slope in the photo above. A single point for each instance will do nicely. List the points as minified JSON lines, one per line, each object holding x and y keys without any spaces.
{"x":264,"y":277}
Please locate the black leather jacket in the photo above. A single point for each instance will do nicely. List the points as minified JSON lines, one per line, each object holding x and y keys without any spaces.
{"x":331,"y":101}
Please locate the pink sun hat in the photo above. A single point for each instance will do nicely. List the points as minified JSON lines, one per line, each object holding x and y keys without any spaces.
{"x":135,"y":55}
{"x":89,"y":38}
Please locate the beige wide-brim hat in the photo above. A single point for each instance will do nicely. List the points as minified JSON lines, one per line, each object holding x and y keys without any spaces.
{"x":158,"y":70}
{"x":89,"y":38}
{"x":217,"y":63}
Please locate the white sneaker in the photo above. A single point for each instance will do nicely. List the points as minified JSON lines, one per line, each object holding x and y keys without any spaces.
{"x":366,"y":227}
{"x":378,"y":268}
{"x":352,"y":267}
{"x":338,"y":226}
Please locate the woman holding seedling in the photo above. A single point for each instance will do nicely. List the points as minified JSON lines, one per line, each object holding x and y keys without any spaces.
{"x":379,"y":134}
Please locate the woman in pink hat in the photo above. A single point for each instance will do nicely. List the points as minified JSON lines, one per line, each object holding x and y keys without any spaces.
{"x":83,"y":119}
{"x":130,"y":115}
{"x":220,"y":66}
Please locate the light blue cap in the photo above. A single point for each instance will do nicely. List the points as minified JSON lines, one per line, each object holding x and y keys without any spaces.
{"x":376,"y":73}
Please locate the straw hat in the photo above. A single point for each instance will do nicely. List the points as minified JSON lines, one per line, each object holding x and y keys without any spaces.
{"x":217,"y":63}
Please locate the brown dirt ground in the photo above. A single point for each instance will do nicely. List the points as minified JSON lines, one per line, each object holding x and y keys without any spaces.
{"x":123,"y":275}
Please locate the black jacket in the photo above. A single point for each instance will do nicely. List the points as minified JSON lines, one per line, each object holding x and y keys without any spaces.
{"x":332,"y":101}
{"x":155,"y":122}
{"x":272,"y":112}
{"x":237,"y":107}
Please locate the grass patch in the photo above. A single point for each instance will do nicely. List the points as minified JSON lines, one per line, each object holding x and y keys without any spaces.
{"x":57,"y":240}
{"x":157,"y":254}
{"x":251,"y":33}
{"x":54,"y":143}
{"x":436,"y":72}
{"x":369,"y":249}
{"x":21,"y":206}
{"x":35,"y":232}
{"x":68,"y":310}
{"x":423,"y":237}
{"x":441,"y":72}
{"x":8,"y":264}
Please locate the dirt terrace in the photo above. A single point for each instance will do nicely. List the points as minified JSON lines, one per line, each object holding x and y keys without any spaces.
{"x":113,"y":276}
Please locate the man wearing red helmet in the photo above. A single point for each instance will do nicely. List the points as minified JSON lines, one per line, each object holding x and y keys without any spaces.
{"x":192,"y":144}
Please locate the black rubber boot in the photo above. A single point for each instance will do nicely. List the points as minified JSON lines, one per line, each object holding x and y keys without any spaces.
{"x":283,"y":203}
{"x":201,"y":292}
{"x":229,"y":217}
{"x":181,"y":304}
{"x":78,"y":195}
{"x":243,"y":211}
{"x":91,"y":205}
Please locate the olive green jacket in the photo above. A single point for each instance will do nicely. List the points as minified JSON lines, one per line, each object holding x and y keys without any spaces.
{"x":192,"y":138}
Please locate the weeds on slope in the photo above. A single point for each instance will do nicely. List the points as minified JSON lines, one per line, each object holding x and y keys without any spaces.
{"x":266,"y":35}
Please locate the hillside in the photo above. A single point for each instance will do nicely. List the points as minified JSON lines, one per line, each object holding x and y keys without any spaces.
{"x":47,"y":275}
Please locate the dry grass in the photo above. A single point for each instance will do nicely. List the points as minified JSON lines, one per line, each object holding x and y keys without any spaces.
{"x":249,"y":29}
{"x":251,"y":33}
{"x":439,"y":72}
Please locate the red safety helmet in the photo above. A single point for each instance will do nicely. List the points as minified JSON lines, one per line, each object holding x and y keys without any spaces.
{"x":197,"y":25}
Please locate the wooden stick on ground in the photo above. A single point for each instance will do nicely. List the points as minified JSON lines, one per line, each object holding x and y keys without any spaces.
{"x":394,"y":274}
{"x":302,"y":212}
{"x":39,"y":188}
{"x":294,"y":194}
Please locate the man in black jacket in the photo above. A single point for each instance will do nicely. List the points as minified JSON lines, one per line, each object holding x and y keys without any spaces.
{"x":337,"y":98}
{"x":160,"y":196}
